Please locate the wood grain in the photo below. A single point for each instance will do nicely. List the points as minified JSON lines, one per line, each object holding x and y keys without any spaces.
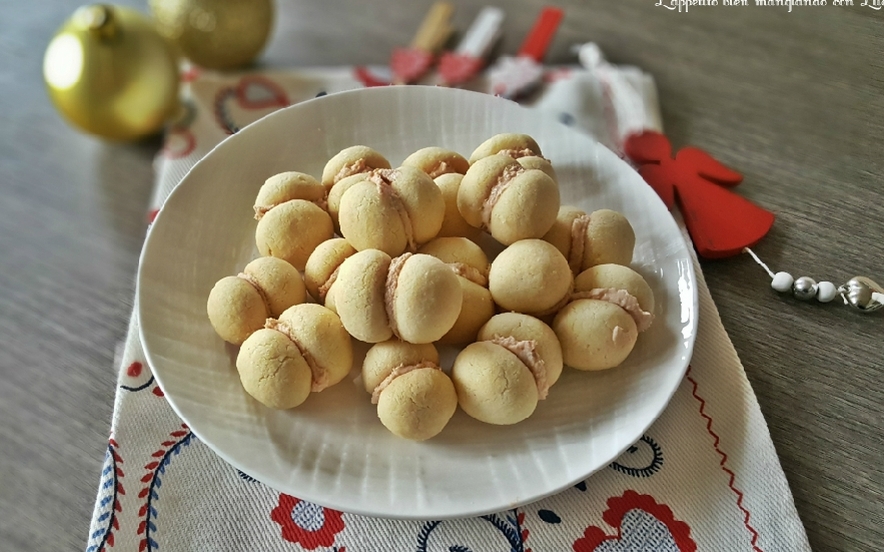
{"x":792,"y":100}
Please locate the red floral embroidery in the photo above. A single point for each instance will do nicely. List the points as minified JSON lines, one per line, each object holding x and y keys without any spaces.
{"x":618,"y":507}
{"x":307,"y":524}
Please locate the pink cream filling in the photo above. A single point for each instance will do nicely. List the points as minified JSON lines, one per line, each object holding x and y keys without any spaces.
{"x":356,"y":167}
{"x":579,"y":243}
{"x":441,"y":168}
{"x":323,"y":289}
{"x":319,"y":374}
{"x":390,"y":290}
{"x":622,"y":299}
{"x":516,"y":153}
{"x":261,"y":210}
{"x":503,"y":181}
{"x":471,"y":273}
{"x":526,"y":351}
{"x":400,"y":370}
{"x":254,"y":283}
{"x":562,"y":302}
{"x":384,"y":178}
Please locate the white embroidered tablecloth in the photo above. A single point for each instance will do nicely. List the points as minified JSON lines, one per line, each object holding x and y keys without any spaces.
{"x":704,"y":477}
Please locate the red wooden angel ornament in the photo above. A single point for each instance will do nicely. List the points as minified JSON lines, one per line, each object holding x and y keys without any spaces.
{"x":720,"y":222}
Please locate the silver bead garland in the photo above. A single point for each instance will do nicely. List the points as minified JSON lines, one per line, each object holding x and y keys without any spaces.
{"x":859,"y":292}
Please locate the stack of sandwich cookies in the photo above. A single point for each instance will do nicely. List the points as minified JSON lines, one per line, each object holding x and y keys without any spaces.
{"x":413,"y":297}
{"x":343,"y":170}
{"x":292,"y":217}
{"x":436,"y":161}
{"x":520,"y":147}
{"x":510,"y":202}
{"x":415,"y":398}
{"x":610,"y":305}
{"x":239,"y":305}
{"x":406,"y":272}
{"x":351,"y":161}
{"x":306,"y":349}
{"x":393,"y":210}
{"x":500,"y":377}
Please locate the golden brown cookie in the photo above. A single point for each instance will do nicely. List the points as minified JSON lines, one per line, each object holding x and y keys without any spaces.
{"x":417,"y":298}
{"x":292,"y":221}
{"x":436,"y":161}
{"x":512,"y":203}
{"x":610,"y":305}
{"x":306,"y":349}
{"x":393,"y":210}
{"x":530,"y":276}
{"x":415,"y":398}
{"x":500,"y":378}
{"x":238,"y":305}
{"x":601,"y":237}
{"x":350,"y":161}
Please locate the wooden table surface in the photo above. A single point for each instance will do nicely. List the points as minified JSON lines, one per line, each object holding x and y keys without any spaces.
{"x":792,"y":100}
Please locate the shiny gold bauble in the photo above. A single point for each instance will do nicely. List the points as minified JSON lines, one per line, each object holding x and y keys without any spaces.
{"x":216,"y":34}
{"x":110,"y":73}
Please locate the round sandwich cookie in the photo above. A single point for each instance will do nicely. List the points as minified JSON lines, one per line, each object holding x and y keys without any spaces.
{"x":238,"y":305}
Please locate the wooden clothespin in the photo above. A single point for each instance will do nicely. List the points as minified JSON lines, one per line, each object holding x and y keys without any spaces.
{"x":512,"y":77}
{"x":410,"y":64}
{"x":462,"y":64}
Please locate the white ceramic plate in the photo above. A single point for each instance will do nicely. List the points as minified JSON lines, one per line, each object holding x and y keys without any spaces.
{"x":332,"y":450}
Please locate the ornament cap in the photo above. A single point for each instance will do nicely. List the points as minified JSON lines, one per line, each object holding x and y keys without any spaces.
{"x":98,"y":19}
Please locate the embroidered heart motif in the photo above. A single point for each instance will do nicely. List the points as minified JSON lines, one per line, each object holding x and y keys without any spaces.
{"x":458,"y":68}
{"x":642,"y":526}
{"x":409,"y":64}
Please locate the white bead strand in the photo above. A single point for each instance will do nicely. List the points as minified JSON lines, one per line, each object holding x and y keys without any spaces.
{"x":859,"y":292}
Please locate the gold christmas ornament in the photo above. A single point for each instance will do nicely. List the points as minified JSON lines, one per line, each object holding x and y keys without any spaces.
{"x":215,"y":34}
{"x":110,"y":73}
